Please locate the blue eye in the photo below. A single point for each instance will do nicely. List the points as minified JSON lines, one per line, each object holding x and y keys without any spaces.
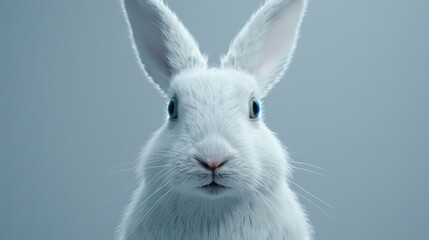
{"x":254,"y":108}
{"x":172,"y":108}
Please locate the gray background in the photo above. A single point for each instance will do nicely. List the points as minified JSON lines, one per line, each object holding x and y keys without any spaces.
{"x":75,"y":110}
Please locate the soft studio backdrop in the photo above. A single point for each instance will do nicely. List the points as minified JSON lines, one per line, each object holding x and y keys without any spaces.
{"x":75,"y":110}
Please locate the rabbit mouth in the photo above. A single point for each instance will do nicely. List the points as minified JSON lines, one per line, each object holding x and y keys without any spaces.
{"x":214,"y":187}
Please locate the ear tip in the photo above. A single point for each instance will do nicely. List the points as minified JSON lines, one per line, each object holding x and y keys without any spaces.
{"x":302,"y":3}
{"x":142,"y":3}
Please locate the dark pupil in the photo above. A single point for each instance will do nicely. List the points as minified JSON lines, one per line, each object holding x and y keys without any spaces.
{"x":255,"y":108}
{"x":171,"y":108}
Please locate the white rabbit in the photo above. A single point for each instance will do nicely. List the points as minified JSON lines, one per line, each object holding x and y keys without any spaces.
{"x":214,"y":170}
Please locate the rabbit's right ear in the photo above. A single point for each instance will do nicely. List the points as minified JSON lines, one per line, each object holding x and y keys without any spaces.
{"x":163,"y":45}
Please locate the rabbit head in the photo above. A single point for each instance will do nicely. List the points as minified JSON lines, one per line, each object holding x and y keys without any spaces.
{"x":214,"y":143}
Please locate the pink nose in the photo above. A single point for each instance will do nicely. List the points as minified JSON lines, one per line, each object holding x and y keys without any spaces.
{"x":210,"y":165}
{"x":214,"y":164}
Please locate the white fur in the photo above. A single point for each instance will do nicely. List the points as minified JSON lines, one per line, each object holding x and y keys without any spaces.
{"x":213,"y":122}
{"x":163,"y":45}
{"x":266,"y":43}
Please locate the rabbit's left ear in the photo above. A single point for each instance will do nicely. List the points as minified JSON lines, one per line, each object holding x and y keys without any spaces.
{"x":163,"y":44}
{"x":266,"y":43}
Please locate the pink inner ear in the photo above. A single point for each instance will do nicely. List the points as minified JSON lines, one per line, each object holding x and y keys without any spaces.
{"x":280,"y":37}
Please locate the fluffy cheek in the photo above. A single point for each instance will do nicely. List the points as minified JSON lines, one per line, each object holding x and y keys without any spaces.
{"x":242,"y":174}
{"x":273,"y":162}
{"x":245,"y":184}
{"x":187,"y":175}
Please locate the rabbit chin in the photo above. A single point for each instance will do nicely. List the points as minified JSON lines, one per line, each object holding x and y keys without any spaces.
{"x":212,"y":190}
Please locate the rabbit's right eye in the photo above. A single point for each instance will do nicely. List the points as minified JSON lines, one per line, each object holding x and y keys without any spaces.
{"x":172,"y":108}
{"x":255,"y":108}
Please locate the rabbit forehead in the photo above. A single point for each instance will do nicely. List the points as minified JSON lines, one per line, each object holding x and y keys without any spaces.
{"x":213,"y":83}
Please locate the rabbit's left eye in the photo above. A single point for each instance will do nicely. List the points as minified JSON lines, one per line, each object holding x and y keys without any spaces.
{"x":172,"y":108}
{"x":255,"y":108}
